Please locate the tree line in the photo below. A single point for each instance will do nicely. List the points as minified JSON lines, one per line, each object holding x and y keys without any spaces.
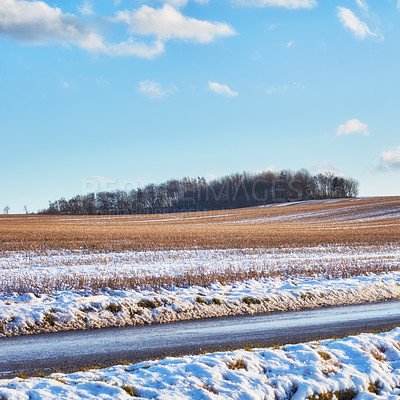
{"x":197,"y":194}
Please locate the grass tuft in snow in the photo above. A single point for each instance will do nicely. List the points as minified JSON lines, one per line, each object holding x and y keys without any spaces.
{"x":130,"y":390}
{"x":251,"y":300}
{"x":378,"y":355}
{"x":238,"y":364}
{"x":324,"y":355}
{"x":374,"y":387}
{"x":307,"y":296}
{"x":114,"y":308}
{"x":149,"y":304}
{"x":321,"y":396}
{"x":210,"y":389}
{"x":348,"y":394}
{"x":48,"y":319}
{"x":200,"y":300}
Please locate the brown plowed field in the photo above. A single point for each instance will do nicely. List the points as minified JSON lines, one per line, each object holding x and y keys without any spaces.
{"x":350,"y":221}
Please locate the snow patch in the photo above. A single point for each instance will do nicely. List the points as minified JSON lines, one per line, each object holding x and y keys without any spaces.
{"x":366,"y":366}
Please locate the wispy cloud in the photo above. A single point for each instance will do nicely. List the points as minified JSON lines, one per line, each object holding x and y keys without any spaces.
{"x":138,"y":49}
{"x":66,"y":85}
{"x":154,"y":90}
{"x":351,"y":22}
{"x":222,"y":89}
{"x":182,"y":3}
{"x":390,"y":159}
{"x":277,"y":3}
{"x":256,"y":55}
{"x":283,"y":89}
{"x":100,"y":82}
{"x":352,"y":126}
{"x":363,"y":5}
{"x":326,"y":167}
{"x":272,"y":27}
{"x":86,"y":8}
{"x":37,"y":23}
{"x":290,"y":43}
{"x":168,"y":23}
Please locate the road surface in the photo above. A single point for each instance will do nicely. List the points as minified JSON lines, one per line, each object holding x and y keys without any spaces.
{"x":68,"y":351}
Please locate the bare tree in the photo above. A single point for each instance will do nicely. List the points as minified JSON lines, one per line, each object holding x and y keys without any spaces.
{"x":236,"y":190}
{"x":6,"y":209}
{"x":26,"y":210}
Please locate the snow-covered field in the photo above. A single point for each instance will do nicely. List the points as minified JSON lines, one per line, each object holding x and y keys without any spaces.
{"x":359,"y":367}
{"x":43,"y":272}
{"x":61,"y":291}
{"x":352,"y":213}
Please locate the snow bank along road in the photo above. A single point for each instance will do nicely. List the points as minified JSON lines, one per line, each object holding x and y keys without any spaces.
{"x":364,"y":367}
{"x":70,"y":350}
{"x":60,"y":291}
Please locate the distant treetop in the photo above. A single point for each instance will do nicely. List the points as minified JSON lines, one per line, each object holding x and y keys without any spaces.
{"x":197,"y":194}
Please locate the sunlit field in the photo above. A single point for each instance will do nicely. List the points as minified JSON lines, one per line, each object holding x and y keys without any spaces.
{"x":323,"y":239}
{"x":84,"y":272}
{"x":356,"y":221}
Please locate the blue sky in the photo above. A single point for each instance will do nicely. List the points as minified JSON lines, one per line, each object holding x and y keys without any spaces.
{"x":114,"y":94}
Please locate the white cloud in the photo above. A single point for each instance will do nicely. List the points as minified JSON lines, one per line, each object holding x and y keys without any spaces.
{"x":277,"y":3}
{"x":391,"y":159}
{"x":99,"y":178}
{"x":86,"y":8}
{"x":256,"y":55}
{"x":66,"y":85}
{"x":270,"y":168}
{"x":350,"y":21}
{"x":138,"y":49}
{"x":398,"y":4}
{"x":363,"y":5}
{"x":326,"y":167}
{"x":271,"y":27}
{"x":211,"y":177}
{"x":221,"y":89}
{"x":177,"y":3}
{"x":290,"y":43}
{"x":277,"y":90}
{"x":102,"y":82}
{"x":154,"y":90}
{"x":284,"y":88}
{"x":352,"y":126}
{"x":38,"y":23}
{"x":182,"y":3}
{"x":168,"y":23}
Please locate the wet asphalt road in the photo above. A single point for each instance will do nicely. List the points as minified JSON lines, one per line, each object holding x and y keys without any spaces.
{"x":68,"y":351}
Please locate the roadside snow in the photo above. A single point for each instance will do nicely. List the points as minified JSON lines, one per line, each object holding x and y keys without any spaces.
{"x":57,"y":290}
{"x":359,"y":367}
{"x":71,"y":310}
{"x":40,"y":269}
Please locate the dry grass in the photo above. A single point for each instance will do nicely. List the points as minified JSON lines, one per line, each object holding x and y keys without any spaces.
{"x":370,"y":227}
{"x":237,"y":364}
{"x":35,"y":277}
{"x":370,"y":221}
{"x":378,"y":355}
